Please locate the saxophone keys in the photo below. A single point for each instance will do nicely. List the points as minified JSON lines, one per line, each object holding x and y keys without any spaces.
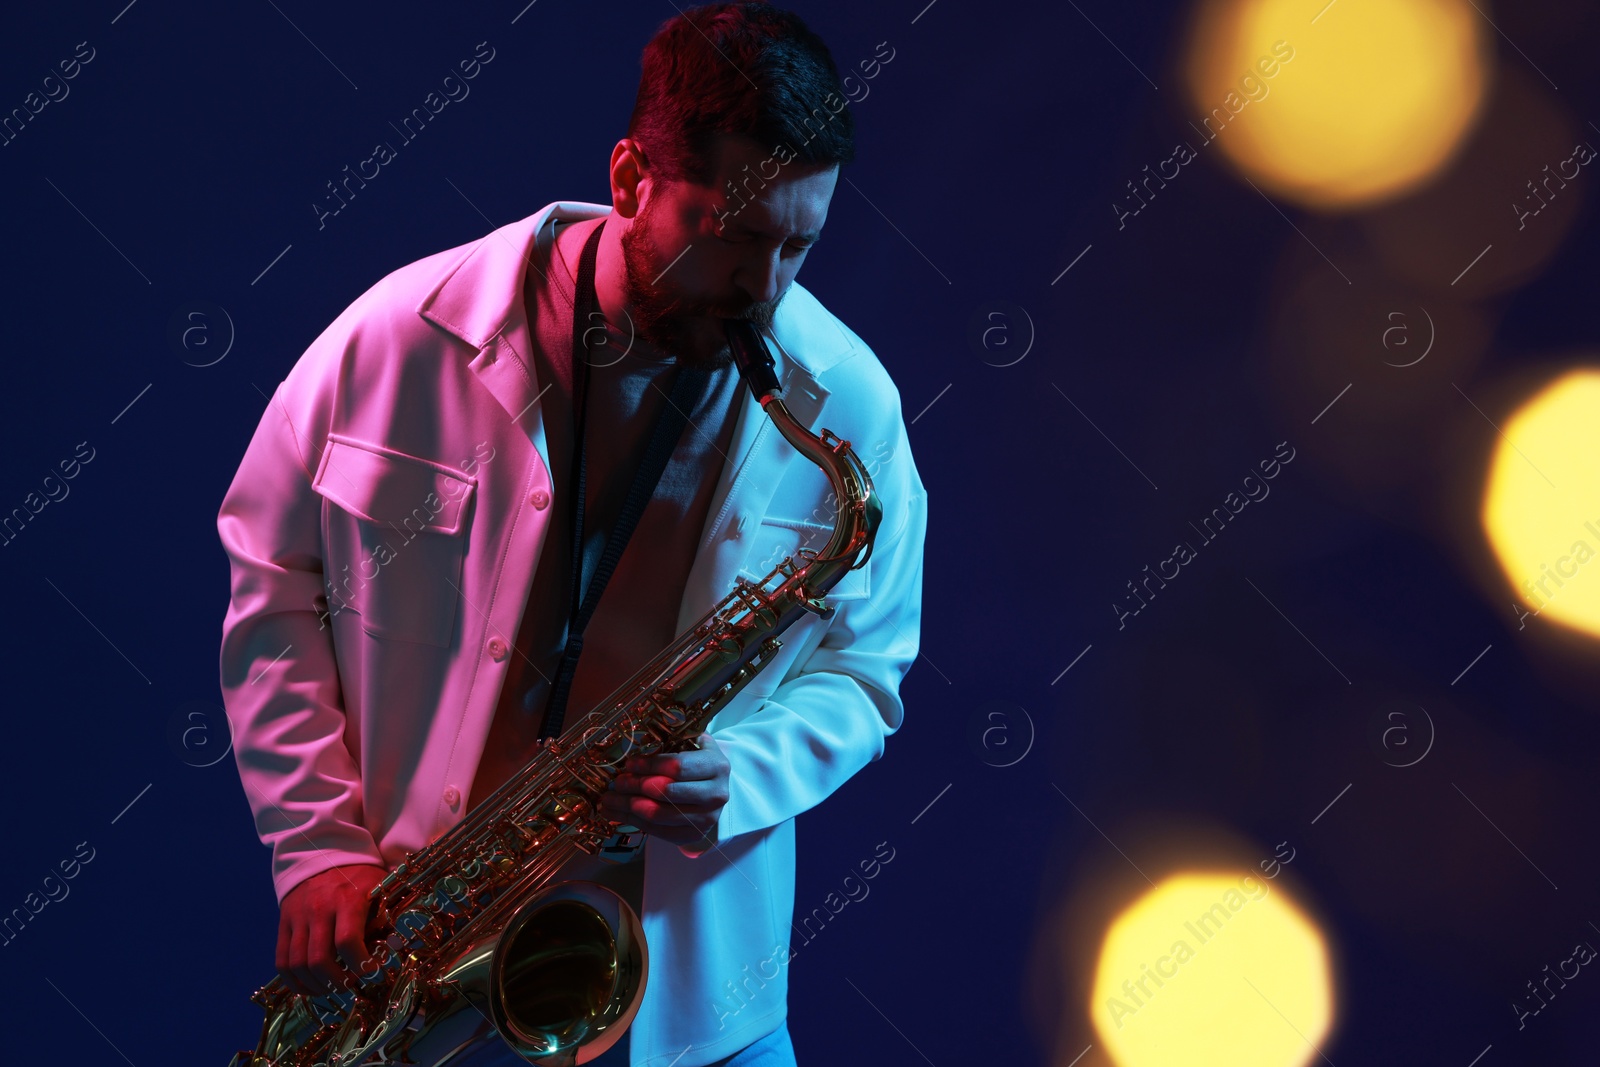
{"x":448,"y":898}
{"x":623,"y":846}
{"x":413,"y":927}
{"x":568,"y":808}
{"x":534,"y":832}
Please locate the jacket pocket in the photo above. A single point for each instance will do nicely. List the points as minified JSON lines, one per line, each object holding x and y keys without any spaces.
{"x":776,"y":538}
{"x":394,"y":538}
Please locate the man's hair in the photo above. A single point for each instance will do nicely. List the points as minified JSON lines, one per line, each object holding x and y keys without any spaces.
{"x":748,"y":69}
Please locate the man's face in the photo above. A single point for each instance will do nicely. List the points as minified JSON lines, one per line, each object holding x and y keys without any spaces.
{"x":695,"y":255}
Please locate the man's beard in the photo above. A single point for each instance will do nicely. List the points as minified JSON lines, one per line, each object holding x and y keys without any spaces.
{"x":665,"y":321}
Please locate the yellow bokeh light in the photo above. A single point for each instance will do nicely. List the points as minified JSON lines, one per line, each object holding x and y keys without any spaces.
{"x":1541,"y":504}
{"x":1358,"y":106}
{"x":1212,"y":968}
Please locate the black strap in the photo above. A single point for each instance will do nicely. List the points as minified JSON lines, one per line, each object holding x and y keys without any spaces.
{"x":688,"y":387}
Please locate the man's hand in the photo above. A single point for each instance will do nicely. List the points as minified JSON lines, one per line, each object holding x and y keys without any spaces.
{"x":677,"y":796}
{"x":323,"y":921}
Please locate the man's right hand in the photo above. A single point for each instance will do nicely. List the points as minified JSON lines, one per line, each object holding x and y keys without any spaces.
{"x":323,"y":921}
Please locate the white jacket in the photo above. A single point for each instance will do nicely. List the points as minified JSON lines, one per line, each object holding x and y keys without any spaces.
{"x":383,"y":530}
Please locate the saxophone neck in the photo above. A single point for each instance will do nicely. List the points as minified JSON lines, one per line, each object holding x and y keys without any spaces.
{"x":759,"y":371}
{"x":856,"y":520}
{"x":754,"y":361}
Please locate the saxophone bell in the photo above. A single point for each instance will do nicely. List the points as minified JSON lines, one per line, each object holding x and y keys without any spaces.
{"x":561,"y":981}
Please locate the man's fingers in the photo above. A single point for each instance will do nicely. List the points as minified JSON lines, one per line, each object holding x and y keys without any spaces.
{"x":639,"y":810}
{"x":678,"y":833}
{"x":677,"y":796}
{"x":658,"y":787}
{"x":349,"y":935}
{"x":298,"y":970}
{"x":678,"y":836}
{"x":281,"y":958}
{"x":285,"y":961}
{"x":691,"y":766}
{"x":682,"y":835}
{"x":320,"y":961}
{"x":322,"y":930}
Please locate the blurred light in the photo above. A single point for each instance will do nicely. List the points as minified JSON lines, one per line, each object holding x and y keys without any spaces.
{"x":1372,"y":363}
{"x":1519,"y":184}
{"x":1212,"y":968}
{"x":1402,"y":345}
{"x":1336,"y":104}
{"x":1541,"y":506}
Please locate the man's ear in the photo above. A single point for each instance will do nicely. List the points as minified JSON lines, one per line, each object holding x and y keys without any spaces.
{"x":630,"y":181}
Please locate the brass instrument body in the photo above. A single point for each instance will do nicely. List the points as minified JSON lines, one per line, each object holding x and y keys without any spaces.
{"x":478,"y":938}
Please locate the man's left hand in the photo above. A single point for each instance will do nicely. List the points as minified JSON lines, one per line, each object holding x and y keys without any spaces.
{"x":676,"y":796}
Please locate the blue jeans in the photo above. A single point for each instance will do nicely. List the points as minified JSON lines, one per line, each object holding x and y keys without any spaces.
{"x":773,"y":1050}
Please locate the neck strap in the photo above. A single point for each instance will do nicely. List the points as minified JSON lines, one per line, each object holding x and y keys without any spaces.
{"x":688,"y":389}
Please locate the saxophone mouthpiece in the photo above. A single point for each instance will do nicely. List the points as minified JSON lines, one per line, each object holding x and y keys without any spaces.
{"x":755,"y":362}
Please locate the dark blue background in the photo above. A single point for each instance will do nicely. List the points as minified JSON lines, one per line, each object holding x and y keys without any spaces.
{"x":187,"y":157}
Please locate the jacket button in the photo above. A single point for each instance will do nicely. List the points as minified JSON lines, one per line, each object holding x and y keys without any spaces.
{"x":452,"y":795}
{"x":539,"y":499}
{"x":497,"y":649}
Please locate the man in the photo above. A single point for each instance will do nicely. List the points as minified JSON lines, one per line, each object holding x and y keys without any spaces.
{"x":405,"y":549}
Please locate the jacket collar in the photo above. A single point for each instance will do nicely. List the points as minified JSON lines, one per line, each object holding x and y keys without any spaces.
{"x":478,"y":300}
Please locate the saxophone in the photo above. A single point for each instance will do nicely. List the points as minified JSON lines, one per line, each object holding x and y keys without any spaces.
{"x":471,"y":937}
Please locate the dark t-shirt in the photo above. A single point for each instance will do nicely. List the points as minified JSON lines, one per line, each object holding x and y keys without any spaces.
{"x":638,"y":612}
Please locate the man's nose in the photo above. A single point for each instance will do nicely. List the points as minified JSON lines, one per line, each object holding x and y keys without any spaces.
{"x":761,"y":277}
